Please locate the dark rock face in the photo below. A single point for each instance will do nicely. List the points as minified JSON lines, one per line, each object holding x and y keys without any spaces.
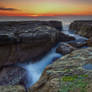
{"x":19,"y":26}
{"x":83,"y":28}
{"x":65,"y":38}
{"x":38,"y":35}
{"x":27,"y":44}
{"x":7,"y":38}
{"x":12,"y":75}
{"x":65,"y":48}
{"x":9,"y":31}
{"x":28,"y":41}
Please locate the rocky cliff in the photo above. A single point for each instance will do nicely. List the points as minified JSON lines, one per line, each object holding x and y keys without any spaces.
{"x":28,"y":41}
{"x":83,"y":28}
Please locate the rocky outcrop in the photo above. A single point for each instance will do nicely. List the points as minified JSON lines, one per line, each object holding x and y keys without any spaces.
{"x":78,"y":43}
{"x":64,"y":48}
{"x":23,"y":25}
{"x":64,"y":37}
{"x":27,"y":41}
{"x":67,"y":74}
{"x":26,"y":45}
{"x":13,"y":75}
{"x":83,"y":28}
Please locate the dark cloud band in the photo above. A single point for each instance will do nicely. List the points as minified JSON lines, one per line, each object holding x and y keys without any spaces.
{"x":8,"y":9}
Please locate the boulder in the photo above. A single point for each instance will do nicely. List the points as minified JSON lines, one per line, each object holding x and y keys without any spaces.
{"x":68,"y":74}
{"x":83,"y":28}
{"x":64,"y":37}
{"x":64,"y":48}
{"x":78,"y":43}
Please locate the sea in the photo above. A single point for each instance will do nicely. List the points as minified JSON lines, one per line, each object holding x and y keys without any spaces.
{"x":66,"y":20}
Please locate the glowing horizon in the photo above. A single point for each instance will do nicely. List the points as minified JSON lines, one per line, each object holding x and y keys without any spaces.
{"x":45,"y":7}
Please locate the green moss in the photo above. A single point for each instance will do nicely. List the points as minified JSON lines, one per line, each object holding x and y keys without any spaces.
{"x":69,"y":78}
{"x":70,"y":83}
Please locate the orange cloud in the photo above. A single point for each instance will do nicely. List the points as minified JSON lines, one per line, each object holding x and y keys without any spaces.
{"x":46,"y":7}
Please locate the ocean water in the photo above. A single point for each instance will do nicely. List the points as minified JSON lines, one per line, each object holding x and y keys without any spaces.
{"x":66,"y":20}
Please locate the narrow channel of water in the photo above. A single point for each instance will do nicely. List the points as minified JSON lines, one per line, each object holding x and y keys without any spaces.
{"x":34,"y":70}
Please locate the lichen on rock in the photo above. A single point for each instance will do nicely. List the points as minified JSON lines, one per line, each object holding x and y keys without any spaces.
{"x":68,"y":71}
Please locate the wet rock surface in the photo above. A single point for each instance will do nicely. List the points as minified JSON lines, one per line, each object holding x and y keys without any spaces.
{"x":12,"y":75}
{"x":64,"y":48}
{"x":83,"y":28}
{"x":67,"y":74}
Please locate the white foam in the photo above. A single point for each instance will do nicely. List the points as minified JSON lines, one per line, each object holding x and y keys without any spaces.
{"x":74,"y":35}
{"x":70,"y":33}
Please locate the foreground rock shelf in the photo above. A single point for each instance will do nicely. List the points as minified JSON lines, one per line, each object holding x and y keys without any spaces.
{"x":83,"y":28}
{"x":67,"y":73}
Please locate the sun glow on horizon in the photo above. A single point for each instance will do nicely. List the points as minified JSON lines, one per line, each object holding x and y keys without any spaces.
{"x":37,"y":8}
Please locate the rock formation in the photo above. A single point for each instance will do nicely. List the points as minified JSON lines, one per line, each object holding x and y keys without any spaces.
{"x":64,"y":48}
{"x":13,"y":75}
{"x":24,"y":42}
{"x":28,"y":41}
{"x":67,"y":74}
{"x":83,"y":28}
{"x":78,"y":43}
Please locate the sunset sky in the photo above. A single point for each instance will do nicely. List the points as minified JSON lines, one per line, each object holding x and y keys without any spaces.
{"x":45,"y":7}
